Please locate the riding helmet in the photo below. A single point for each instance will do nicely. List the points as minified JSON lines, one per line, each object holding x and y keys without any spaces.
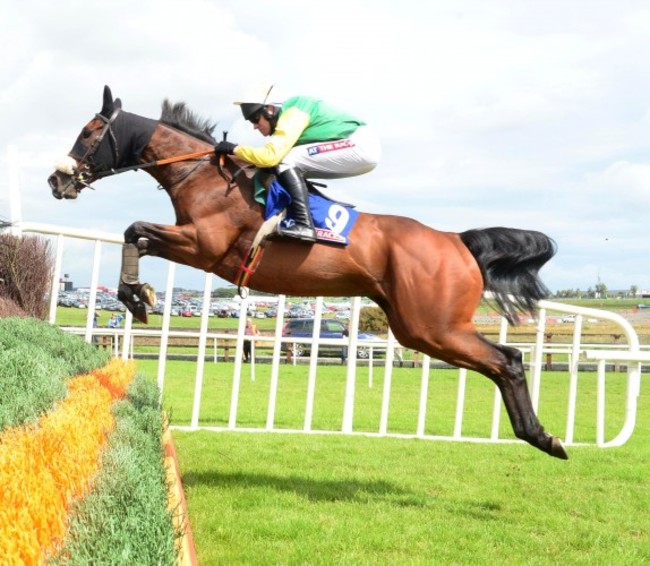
{"x":249,"y":109}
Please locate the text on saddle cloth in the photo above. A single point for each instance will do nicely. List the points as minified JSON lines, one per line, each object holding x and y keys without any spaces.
{"x":332,"y":220}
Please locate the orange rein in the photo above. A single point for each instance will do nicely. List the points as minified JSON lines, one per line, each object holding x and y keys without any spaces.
{"x":167,"y":161}
{"x":184,"y":157}
{"x":188,"y":156}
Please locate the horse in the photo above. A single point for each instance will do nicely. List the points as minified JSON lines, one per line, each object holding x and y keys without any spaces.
{"x":428,"y":282}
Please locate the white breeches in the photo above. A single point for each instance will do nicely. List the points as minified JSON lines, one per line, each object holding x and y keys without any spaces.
{"x":355,"y":155}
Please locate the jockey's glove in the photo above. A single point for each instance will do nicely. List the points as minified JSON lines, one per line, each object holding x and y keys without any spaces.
{"x":225,"y":147}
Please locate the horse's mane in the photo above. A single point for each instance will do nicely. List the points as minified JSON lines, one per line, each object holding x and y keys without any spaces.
{"x":182,"y":118}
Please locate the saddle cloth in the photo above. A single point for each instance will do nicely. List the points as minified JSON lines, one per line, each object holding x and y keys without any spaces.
{"x":332,"y":220}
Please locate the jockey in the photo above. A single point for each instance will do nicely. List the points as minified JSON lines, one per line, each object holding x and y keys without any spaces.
{"x":307,"y":139}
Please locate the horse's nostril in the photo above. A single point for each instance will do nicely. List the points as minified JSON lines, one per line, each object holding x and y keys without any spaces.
{"x":53,"y":182}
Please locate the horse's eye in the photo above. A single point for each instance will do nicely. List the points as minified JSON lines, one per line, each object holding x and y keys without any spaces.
{"x":85,"y":133}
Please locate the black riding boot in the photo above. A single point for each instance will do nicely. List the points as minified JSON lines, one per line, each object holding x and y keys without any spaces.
{"x":303,"y":229}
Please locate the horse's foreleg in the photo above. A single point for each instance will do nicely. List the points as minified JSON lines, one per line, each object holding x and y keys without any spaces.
{"x":130,"y":291}
{"x":143,"y":238}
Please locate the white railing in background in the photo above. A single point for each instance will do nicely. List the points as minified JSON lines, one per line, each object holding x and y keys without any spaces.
{"x":630,"y":353}
{"x":632,"y":356}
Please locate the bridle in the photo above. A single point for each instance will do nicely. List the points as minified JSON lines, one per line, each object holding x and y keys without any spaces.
{"x":82,"y":173}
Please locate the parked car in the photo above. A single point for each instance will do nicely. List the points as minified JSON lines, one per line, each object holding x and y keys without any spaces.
{"x":329,"y":328}
{"x":364,"y":352}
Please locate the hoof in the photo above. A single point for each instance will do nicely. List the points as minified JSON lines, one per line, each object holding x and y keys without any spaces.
{"x":557,"y":449}
{"x":139,"y":312}
{"x":148,"y":295}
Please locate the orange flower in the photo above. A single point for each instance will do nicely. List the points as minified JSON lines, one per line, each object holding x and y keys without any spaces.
{"x":44,"y":467}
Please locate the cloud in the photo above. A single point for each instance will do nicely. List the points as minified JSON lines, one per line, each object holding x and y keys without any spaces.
{"x":499,"y":113}
{"x":622,"y":182}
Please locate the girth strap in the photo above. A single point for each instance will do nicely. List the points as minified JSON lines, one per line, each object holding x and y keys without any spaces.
{"x":254,"y":254}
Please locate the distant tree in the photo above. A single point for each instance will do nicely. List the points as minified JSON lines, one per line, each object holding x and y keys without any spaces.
{"x":373,"y":319}
{"x":224,"y":292}
{"x":568,"y":294}
{"x":601,"y":290}
{"x":564,"y":293}
{"x":634,"y":290}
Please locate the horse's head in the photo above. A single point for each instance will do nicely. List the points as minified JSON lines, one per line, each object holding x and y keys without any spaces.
{"x":94,"y":151}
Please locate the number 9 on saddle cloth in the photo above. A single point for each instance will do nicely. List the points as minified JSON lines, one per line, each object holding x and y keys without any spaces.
{"x":332,"y":220}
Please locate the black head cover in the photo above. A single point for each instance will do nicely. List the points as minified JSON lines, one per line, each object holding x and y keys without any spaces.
{"x":124,"y":138}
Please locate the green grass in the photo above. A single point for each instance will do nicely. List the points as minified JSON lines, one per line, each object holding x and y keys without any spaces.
{"x":35,"y":360}
{"x":269,"y":499}
{"x":404,"y":401}
{"x":332,"y":499}
{"x":125,"y":518}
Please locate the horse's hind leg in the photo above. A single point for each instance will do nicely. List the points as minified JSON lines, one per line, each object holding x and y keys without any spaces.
{"x":503,"y":365}
{"x":463,"y":346}
{"x":511,"y":381}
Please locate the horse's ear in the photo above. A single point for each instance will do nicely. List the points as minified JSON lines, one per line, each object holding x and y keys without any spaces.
{"x":117,"y":103}
{"x":107,"y":106}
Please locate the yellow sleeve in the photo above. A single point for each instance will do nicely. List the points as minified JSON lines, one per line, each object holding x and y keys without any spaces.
{"x":290,"y":126}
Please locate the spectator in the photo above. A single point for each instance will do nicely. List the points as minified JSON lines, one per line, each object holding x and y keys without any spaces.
{"x":95,"y":325}
{"x":251,"y":330}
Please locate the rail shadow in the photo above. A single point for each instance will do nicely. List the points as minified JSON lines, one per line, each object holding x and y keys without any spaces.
{"x":310,"y":489}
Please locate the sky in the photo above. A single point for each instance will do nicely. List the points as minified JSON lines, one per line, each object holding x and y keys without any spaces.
{"x":527,"y":114}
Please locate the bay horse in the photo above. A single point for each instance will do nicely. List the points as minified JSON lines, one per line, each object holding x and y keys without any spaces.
{"x":428,"y":282}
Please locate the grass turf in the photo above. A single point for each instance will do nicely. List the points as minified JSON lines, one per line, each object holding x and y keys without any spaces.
{"x":332,"y":499}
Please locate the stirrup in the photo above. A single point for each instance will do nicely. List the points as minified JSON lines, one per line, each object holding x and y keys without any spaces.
{"x":298,"y":232}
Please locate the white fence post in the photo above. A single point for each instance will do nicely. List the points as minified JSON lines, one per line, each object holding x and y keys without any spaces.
{"x":92,"y":298}
{"x":350,"y":380}
{"x":56,"y":277}
{"x":236,"y":377}
{"x":388,"y":381}
{"x":166,"y":321}
{"x":200,"y":358}
{"x":313,"y":363}
{"x":424,"y":393}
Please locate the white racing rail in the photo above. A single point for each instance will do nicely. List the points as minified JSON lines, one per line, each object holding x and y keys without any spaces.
{"x":629,"y":354}
{"x":632,"y":355}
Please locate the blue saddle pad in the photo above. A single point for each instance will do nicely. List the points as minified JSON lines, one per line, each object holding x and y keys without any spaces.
{"x":332,"y":220}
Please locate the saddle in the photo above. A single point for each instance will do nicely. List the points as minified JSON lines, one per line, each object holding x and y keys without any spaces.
{"x":333,"y":219}
{"x":264,"y":179}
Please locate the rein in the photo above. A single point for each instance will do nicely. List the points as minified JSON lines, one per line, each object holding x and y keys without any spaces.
{"x":166,"y":161}
{"x":230,"y":179}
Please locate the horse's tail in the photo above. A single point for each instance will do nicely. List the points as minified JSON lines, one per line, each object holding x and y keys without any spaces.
{"x":510,"y":260}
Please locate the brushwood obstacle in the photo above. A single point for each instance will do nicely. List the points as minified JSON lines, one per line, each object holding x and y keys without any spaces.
{"x":585,"y":360}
